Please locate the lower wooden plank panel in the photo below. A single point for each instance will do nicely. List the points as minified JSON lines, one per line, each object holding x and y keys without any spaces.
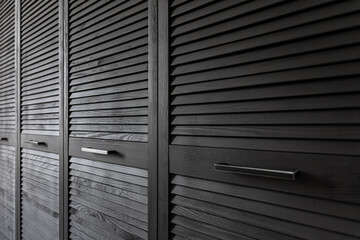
{"x":7,"y":192}
{"x":107,"y":201}
{"x":39,"y":194}
{"x":205,"y":209}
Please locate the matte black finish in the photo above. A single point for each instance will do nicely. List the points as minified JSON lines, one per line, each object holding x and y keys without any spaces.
{"x":239,"y":80}
{"x":184,"y":120}
{"x":204,"y":209}
{"x":257,"y":86}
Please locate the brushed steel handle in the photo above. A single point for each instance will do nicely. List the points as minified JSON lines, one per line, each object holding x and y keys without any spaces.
{"x":96,"y":151}
{"x":260,"y":172}
{"x":35,"y":143}
{"x":3,"y":138}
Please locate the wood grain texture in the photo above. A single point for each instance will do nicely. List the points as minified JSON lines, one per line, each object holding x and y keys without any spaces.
{"x":39,"y":33}
{"x":163,"y":121}
{"x":265,"y":75}
{"x":108,"y":70}
{"x":39,"y":194}
{"x":7,"y":67}
{"x":271,"y":85}
{"x":7,"y":192}
{"x":107,"y":201}
{"x":204,"y":209}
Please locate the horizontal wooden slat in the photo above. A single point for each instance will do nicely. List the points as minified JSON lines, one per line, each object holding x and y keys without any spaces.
{"x":259,"y":23}
{"x":108,"y":200}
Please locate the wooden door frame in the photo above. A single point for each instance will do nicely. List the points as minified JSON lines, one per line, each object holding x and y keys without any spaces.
{"x":163,"y":117}
{"x":18,"y":121}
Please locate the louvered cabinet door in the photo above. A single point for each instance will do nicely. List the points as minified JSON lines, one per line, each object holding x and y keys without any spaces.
{"x":39,"y":33}
{"x":39,"y":195}
{"x":7,"y":192}
{"x":264,"y":94}
{"x":39,"y":101}
{"x":108,"y":119}
{"x":7,"y":71}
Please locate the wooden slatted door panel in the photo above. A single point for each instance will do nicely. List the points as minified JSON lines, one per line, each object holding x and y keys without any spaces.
{"x":109,"y":70}
{"x":7,"y":67}
{"x":268,"y":85}
{"x":107,"y":201}
{"x":203,"y":209}
{"x":7,"y":192}
{"x":40,"y":67}
{"x":266,"y":75}
{"x":40,"y":195}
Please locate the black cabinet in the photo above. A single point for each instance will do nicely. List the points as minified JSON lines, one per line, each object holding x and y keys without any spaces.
{"x":260,"y":91}
{"x":183,"y":120}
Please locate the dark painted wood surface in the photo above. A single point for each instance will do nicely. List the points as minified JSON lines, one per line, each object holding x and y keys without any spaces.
{"x":163,"y":119}
{"x":108,"y":70}
{"x":18,"y":120}
{"x":274,"y":75}
{"x":153,"y":118}
{"x":40,"y":68}
{"x":107,"y":201}
{"x":258,"y":83}
{"x":7,"y":67}
{"x":204,"y":209}
{"x":39,"y":195}
{"x":268,"y":85}
{"x":7,"y":192}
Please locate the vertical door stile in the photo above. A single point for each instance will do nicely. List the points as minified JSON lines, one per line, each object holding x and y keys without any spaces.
{"x":163,"y":116}
{"x":153,"y":118}
{"x":18,"y":118}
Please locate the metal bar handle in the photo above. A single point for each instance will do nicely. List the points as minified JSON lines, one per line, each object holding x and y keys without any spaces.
{"x":3,"y":138}
{"x":35,"y":143}
{"x":260,"y":172}
{"x":96,"y":151}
